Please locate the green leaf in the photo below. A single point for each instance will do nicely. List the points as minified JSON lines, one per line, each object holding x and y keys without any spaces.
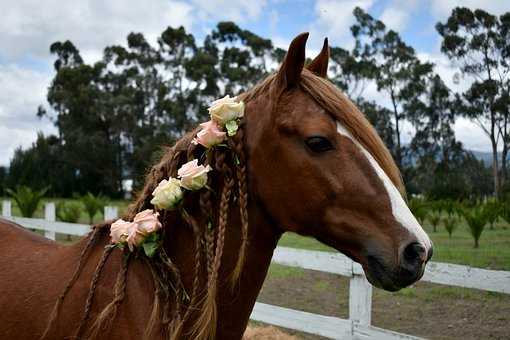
{"x":231,"y":127}
{"x":150,"y":248}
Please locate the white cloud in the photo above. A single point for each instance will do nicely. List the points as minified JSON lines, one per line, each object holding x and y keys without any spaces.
{"x":238,"y":11}
{"x":21,"y":92}
{"x":443,"y":8}
{"x":334,"y":19}
{"x":29,"y":27}
{"x":471,"y":135}
{"x":398,"y":12}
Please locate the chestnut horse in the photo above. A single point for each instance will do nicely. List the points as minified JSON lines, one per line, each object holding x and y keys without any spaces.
{"x":304,"y":160}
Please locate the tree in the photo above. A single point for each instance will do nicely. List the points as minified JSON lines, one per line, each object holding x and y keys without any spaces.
{"x":352,"y":73}
{"x":43,"y":165}
{"x":244,"y":58}
{"x":3,"y":178}
{"x":27,"y":199}
{"x":476,"y":219}
{"x":398,"y":72}
{"x":479,"y":43}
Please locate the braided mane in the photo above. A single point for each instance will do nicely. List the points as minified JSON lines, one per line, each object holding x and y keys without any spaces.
{"x":207,"y":218}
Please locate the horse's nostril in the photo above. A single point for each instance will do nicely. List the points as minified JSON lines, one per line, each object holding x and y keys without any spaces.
{"x":415,"y":252}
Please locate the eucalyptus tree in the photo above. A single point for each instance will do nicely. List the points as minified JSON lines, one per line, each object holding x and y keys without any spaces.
{"x":399,"y":74}
{"x":353,"y":72}
{"x":479,"y":43}
{"x":244,"y":57}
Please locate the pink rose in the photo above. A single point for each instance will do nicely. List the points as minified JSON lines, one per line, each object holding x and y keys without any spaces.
{"x":210,"y":134}
{"x":147,"y":222}
{"x":192,"y":175}
{"x":119,"y":230}
{"x":135,"y":237}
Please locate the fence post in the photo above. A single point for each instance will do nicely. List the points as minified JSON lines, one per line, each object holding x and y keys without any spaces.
{"x":360,"y":300}
{"x":49,"y":215}
{"x":110,"y":213}
{"x":6,"y":208}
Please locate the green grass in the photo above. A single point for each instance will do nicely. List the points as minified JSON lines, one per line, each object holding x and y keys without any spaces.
{"x":494,"y":251}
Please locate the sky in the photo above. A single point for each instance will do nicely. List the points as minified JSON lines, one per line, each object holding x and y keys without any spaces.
{"x":28,"y":27}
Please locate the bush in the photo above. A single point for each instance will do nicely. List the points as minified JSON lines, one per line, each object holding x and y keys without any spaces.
{"x":493,"y":210}
{"x":418,"y":208}
{"x":451,"y":207}
{"x":27,"y":199}
{"x":69,"y":211}
{"x":476,"y":219}
{"x":93,"y":205}
{"x":450,"y":224}
{"x":434,"y":216}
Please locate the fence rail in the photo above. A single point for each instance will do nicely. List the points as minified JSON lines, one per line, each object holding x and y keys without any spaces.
{"x":358,"y":326}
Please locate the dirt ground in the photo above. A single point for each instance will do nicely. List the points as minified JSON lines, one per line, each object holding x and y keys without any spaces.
{"x":427,"y":310}
{"x":266,"y":333}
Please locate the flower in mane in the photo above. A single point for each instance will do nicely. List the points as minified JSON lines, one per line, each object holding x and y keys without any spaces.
{"x":192,"y":175}
{"x":210,"y":135}
{"x":135,"y":233}
{"x":119,"y":231}
{"x":226,"y":109}
{"x":168,"y":194}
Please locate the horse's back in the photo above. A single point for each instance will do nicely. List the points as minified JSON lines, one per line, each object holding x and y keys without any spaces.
{"x":13,"y":232}
{"x":27,"y":263}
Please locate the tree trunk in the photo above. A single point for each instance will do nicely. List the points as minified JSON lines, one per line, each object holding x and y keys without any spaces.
{"x":398,"y":150}
{"x":495,"y":167}
{"x":476,"y":243}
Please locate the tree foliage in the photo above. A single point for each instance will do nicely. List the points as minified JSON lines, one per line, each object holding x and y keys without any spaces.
{"x":27,"y":199}
{"x":114,"y":115}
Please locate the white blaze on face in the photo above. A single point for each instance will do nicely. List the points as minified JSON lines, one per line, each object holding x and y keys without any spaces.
{"x":399,"y":207}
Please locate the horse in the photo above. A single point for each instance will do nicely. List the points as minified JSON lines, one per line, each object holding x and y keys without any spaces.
{"x":304,"y":160}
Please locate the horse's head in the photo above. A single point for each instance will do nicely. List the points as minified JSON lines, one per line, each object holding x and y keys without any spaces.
{"x":322,"y":171}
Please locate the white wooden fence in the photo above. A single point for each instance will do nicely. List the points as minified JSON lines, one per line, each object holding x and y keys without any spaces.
{"x":358,"y":326}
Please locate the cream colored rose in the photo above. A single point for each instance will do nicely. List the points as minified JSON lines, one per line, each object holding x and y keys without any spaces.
{"x":226,"y":109}
{"x":193,"y":176}
{"x":167,"y":194}
{"x":119,"y":231}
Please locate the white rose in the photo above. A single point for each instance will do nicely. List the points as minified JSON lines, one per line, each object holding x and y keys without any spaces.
{"x":193,"y":176}
{"x":167,"y":194}
{"x":226,"y":109}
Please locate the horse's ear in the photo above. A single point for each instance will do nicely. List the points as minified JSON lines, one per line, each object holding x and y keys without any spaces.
{"x":319,"y":65}
{"x":290,"y":71}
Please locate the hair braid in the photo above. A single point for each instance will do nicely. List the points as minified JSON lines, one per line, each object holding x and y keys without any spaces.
{"x":93,"y":285}
{"x":242,"y":201}
{"x":205,"y":326}
{"x":107,"y":316}
{"x":60,"y":300}
{"x":206,"y":207}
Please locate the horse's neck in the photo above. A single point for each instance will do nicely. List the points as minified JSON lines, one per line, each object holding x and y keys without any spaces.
{"x":234,"y":305}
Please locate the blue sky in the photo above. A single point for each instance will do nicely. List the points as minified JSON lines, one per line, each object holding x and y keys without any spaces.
{"x":28,"y":27}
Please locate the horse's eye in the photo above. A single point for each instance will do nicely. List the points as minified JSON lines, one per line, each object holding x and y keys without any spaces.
{"x":319,"y":144}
